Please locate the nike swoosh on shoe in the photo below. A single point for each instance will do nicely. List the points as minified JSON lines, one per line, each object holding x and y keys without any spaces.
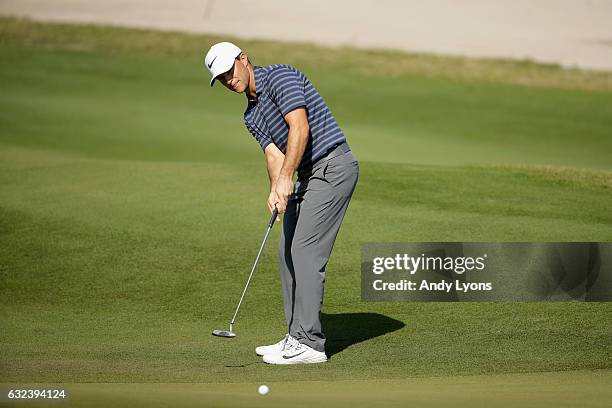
{"x":295,"y":355}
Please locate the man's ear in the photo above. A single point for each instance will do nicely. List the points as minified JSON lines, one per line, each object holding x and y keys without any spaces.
{"x":244,"y":58}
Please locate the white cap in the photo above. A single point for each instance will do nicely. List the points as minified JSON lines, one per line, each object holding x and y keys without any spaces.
{"x":220,"y":59}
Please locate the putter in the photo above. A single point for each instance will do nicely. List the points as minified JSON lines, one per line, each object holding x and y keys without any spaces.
{"x":230,"y":333}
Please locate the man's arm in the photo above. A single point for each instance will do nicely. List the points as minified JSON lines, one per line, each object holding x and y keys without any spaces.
{"x":296,"y":144}
{"x":274,"y":159}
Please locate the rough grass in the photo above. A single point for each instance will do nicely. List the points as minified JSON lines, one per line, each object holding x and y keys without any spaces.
{"x":566,"y":175}
{"x":379,"y":64}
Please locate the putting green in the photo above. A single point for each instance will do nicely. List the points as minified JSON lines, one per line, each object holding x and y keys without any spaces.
{"x":559,"y":389}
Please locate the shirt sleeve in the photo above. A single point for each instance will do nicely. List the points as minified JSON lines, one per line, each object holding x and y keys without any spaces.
{"x":262,"y":139}
{"x":286,"y":89}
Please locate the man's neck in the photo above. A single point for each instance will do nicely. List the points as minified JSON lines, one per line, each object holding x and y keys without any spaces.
{"x":251,"y":90}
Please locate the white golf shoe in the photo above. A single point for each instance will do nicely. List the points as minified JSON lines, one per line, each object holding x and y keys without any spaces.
{"x":277,"y":348}
{"x":296,"y":354}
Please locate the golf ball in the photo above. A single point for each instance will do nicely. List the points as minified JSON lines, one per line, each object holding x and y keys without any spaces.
{"x":263,"y":389}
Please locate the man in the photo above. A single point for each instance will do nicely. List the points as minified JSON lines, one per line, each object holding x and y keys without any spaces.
{"x":297,"y":132}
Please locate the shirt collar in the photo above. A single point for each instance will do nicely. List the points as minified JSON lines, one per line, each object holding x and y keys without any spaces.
{"x":261,"y":79}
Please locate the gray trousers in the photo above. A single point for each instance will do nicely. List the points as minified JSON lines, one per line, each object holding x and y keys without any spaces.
{"x":310,"y":227}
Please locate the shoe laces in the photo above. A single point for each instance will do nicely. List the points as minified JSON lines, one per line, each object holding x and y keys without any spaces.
{"x":289,"y":343}
{"x":283,"y":342}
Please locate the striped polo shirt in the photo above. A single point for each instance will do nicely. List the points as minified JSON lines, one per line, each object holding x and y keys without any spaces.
{"x":280,"y":89}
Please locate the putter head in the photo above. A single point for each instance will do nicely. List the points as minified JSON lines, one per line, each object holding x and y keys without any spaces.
{"x":223,"y":333}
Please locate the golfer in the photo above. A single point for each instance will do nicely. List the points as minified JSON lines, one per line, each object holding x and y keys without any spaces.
{"x":297,"y":133}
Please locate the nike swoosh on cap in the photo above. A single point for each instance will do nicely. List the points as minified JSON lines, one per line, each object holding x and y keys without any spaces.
{"x":211,"y":62}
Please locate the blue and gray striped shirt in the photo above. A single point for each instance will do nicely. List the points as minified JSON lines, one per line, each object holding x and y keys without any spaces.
{"x":280,"y":89}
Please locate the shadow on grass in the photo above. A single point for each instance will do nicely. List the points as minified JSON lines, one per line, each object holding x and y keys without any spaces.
{"x":345,"y":329}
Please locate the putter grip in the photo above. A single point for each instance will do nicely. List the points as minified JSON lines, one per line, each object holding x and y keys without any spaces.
{"x":274,"y":215}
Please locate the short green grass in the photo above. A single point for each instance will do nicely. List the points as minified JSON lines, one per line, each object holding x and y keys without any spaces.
{"x":132,"y":204}
{"x":557,"y":389}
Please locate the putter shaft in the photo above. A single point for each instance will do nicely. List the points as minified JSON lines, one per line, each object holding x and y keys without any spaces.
{"x":270,"y":224}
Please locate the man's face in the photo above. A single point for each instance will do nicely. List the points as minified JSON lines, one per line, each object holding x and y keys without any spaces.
{"x":237,"y":78}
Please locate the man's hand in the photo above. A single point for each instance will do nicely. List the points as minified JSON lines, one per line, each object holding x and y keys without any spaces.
{"x":273,"y":202}
{"x":284,"y":189}
{"x":282,"y":166}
